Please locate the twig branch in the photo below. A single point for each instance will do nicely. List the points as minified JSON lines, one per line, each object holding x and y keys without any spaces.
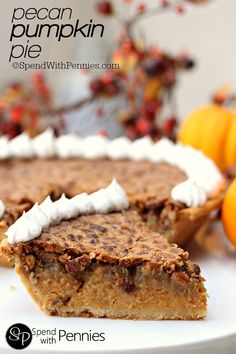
{"x":128,"y":24}
{"x":70,"y":107}
{"x":151,"y":12}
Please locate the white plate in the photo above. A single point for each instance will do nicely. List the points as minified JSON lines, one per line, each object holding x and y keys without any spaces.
{"x":218,"y":263}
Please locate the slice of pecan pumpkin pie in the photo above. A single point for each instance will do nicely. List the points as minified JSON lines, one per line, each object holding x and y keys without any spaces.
{"x":93,"y":256}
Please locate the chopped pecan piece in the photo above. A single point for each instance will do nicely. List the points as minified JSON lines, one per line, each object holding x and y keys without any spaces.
{"x":78,"y":264}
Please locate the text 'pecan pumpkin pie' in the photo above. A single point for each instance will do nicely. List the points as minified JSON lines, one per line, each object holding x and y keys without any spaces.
{"x":173,"y":187}
{"x":91,"y":256}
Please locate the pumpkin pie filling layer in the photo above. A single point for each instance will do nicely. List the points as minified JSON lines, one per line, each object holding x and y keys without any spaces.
{"x":112,"y":266}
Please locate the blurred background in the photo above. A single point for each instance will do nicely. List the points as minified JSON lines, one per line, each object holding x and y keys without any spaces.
{"x":204,"y":31}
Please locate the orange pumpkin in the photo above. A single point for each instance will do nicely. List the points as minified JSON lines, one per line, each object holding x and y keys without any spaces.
{"x":230,"y":145}
{"x":211,"y":129}
{"x":229,"y":212}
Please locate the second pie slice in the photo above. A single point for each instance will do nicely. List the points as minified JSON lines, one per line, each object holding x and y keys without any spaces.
{"x":107,"y":265}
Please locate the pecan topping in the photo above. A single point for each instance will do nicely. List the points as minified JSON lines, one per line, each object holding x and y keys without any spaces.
{"x":71,"y":237}
{"x":98,"y":228}
{"x":77,"y":264}
{"x":180,"y":278}
{"x":196,"y":269}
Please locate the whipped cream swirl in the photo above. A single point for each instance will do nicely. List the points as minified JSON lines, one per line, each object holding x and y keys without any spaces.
{"x":67,"y":146}
{"x":5,"y":152}
{"x":41,"y":216}
{"x":24,"y":228}
{"x":189,"y":193}
{"x":44,"y":144}
{"x":2,"y":209}
{"x":94,"y":147}
{"x":112,"y":198}
{"x":21,"y":147}
{"x":199,"y":169}
{"x":49,"y":208}
{"x":140,"y":149}
{"x":119,"y":148}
